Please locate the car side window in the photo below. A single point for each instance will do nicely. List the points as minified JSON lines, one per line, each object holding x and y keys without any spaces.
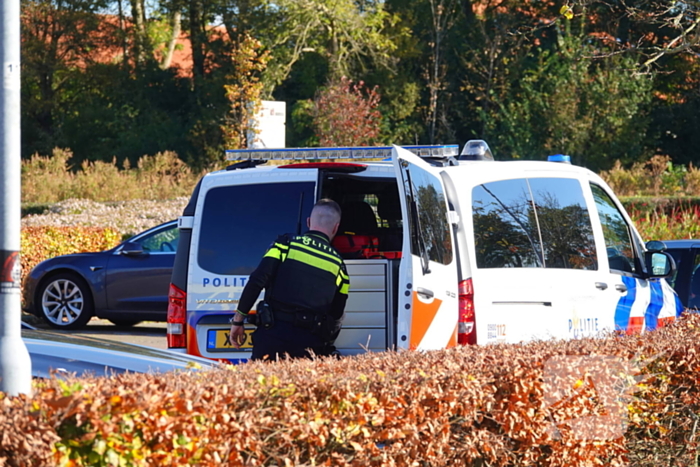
{"x":618,"y":239}
{"x":162,"y":240}
{"x":534,"y":222}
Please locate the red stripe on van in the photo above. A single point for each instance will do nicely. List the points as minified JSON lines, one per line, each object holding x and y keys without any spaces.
{"x":635,"y":325}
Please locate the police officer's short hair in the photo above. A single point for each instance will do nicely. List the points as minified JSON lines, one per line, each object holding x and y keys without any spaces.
{"x":329,"y":211}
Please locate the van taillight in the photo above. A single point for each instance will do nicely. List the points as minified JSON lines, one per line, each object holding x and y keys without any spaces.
{"x":177,"y":315}
{"x":466,"y":327}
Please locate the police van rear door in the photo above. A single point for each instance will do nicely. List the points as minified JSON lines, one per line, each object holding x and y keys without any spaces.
{"x":240,"y":213}
{"x":428,"y":307}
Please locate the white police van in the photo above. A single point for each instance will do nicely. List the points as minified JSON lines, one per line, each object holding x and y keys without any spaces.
{"x":442,"y":248}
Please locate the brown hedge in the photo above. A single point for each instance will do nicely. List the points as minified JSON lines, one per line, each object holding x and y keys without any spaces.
{"x":469,"y":406}
{"x":40,"y":243}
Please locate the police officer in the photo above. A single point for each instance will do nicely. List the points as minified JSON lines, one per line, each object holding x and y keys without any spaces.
{"x":306,"y":287}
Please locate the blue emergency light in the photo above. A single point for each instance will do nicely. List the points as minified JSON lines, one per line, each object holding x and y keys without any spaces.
{"x":559,"y":158}
{"x":363,"y":152}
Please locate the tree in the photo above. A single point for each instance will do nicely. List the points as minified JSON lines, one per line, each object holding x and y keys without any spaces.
{"x":243,"y":91}
{"x":348,"y":34}
{"x":664,"y":38}
{"x":345,"y":114}
{"x":59,"y":39}
{"x":575,"y":97}
{"x":444,"y":15}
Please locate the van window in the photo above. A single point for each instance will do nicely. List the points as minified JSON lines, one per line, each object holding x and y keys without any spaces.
{"x":428,"y":221}
{"x":240,"y":222}
{"x":533,"y":223}
{"x":618,"y":241}
{"x":564,"y":223}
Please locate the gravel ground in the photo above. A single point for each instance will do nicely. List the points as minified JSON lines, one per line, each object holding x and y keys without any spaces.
{"x":127,"y":217}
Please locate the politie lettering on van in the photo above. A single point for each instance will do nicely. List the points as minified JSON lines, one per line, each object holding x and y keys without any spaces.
{"x":443,"y":248}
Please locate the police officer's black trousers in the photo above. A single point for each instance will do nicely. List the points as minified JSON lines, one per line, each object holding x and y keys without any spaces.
{"x":284,"y":339}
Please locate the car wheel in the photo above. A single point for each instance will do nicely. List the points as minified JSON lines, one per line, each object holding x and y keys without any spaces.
{"x":124,"y":321}
{"x":66,"y":302}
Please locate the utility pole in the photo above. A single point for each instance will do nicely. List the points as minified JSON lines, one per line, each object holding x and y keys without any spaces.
{"x":15,"y":365}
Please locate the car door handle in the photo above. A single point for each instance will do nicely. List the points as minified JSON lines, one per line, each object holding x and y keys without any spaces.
{"x":425,"y":292}
{"x":601,"y":285}
{"x":621,"y":287}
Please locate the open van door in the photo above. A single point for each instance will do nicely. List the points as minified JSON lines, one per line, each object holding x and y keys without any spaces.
{"x":428,"y":306}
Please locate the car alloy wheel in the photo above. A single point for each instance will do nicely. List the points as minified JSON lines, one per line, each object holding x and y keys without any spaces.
{"x":66,"y":302}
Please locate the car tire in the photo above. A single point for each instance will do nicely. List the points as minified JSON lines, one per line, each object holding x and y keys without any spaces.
{"x":65,"y":301}
{"x":124,"y":321}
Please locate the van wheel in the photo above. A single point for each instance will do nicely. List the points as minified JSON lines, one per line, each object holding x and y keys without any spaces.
{"x":66,"y":302}
{"x":124,"y":321}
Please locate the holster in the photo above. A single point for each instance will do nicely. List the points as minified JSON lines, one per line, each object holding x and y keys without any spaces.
{"x":265,"y":318}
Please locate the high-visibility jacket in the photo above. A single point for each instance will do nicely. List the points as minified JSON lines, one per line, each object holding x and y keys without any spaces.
{"x":300,"y":273}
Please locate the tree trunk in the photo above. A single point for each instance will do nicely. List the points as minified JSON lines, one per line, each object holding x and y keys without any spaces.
{"x":175,"y":25}
{"x":197,"y":39}
{"x":122,"y":30}
{"x":138,"y":13}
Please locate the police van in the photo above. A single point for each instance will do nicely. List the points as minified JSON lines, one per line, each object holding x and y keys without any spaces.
{"x":443,"y":248}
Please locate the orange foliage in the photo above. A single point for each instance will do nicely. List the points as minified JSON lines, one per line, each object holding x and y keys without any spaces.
{"x":472,"y":406}
{"x":40,"y":243}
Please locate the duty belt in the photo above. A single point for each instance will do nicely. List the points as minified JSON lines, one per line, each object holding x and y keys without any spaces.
{"x":301,"y":318}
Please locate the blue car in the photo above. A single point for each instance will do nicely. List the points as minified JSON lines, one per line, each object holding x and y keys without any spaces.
{"x":686,"y":281}
{"x":125,"y":285}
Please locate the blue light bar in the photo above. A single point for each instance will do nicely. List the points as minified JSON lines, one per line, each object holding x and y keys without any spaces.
{"x":368,"y":152}
{"x":559,"y":158}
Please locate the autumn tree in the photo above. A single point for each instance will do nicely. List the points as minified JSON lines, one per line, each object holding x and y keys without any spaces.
{"x":243,"y":91}
{"x":345,"y":114}
{"x":663,"y":37}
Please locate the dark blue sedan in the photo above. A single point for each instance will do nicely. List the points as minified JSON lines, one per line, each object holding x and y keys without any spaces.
{"x":126,"y":285}
{"x":686,"y":281}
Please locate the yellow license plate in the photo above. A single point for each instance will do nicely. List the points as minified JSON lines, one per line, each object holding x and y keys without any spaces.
{"x":217,"y":340}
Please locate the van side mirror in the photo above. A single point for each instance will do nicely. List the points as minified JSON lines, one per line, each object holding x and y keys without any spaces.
{"x":659,"y":264}
{"x":131,"y":249}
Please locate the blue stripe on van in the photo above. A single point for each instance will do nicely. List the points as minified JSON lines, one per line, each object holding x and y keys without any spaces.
{"x":656,"y":302}
{"x":624,"y":304}
{"x":679,"y":305}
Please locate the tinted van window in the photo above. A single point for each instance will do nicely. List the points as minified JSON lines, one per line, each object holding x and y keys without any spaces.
{"x":564,"y":223}
{"x":504,"y":229}
{"x":240,"y":222}
{"x":537,"y":222}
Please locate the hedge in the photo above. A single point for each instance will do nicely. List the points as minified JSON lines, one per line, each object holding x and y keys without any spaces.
{"x":40,"y":243}
{"x":614,"y":401}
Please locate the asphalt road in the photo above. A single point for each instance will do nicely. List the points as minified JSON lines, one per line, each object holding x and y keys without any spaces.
{"x":148,"y":333}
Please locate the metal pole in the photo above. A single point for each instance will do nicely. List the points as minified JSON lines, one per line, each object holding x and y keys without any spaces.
{"x":15,"y":365}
